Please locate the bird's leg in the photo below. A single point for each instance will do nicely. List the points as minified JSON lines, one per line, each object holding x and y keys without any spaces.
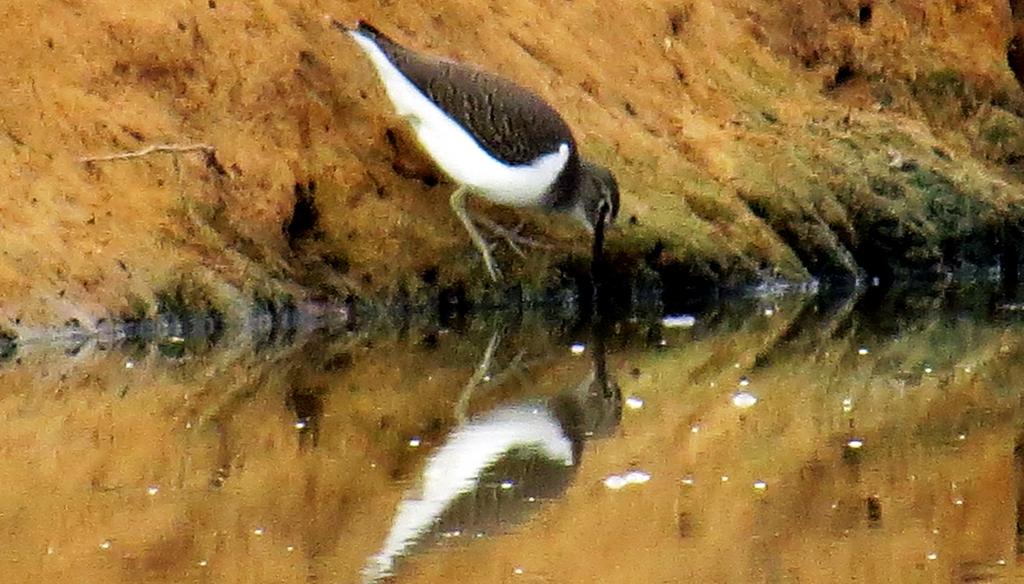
{"x":458,"y":201}
{"x":481,"y":375}
{"x":512,"y":237}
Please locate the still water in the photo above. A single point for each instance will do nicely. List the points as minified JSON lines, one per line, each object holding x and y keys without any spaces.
{"x":876,"y":437}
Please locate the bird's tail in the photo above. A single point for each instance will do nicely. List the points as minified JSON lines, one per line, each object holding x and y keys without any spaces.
{"x":365,"y":30}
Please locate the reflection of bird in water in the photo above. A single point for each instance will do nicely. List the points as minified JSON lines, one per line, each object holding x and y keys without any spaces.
{"x":493,"y":469}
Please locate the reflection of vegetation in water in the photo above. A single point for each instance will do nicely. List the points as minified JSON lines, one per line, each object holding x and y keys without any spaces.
{"x":911,"y":380}
{"x":186,"y":311}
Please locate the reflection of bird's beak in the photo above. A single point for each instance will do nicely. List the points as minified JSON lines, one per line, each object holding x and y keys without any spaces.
{"x":598,"y":231}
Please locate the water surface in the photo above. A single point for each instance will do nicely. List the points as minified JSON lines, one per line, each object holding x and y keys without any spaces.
{"x":869,"y":438}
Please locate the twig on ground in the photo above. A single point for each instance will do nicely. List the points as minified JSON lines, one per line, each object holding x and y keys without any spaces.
{"x":208,"y":151}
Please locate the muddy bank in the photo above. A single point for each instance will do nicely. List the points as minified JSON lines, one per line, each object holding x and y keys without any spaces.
{"x":753,"y":141}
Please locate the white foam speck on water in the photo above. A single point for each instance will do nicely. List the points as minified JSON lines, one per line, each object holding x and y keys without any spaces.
{"x":744,"y":400}
{"x":615,"y":482}
{"x":678,"y":321}
{"x":637,"y":477}
{"x":634,"y":403}
{"x":633,"y":477}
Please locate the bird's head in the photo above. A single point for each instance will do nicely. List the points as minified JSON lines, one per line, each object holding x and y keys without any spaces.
{"x":598,"y":200}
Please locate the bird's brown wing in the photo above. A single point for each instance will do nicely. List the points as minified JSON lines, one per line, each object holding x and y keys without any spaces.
{"x":512,"y":123}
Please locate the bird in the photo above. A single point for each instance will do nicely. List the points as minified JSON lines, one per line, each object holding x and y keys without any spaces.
{"x":494,"y":138}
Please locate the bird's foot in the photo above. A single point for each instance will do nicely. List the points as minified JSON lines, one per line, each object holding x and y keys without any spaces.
{"x":513,"y":237}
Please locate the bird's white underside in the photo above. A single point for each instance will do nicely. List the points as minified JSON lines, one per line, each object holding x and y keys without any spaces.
{"x":455,"y":151}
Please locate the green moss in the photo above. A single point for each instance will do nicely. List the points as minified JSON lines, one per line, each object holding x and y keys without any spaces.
{"x":709,"y":208}
{"x":943,"y":91}
{"x":948,"y":81}
{"x":960,"y":219}
{"x":998,"y":133}
{"x":1001,"y":137}
{"x":887,"y":188}
{"x":138,"y":309}
{"x":889,"y":239}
